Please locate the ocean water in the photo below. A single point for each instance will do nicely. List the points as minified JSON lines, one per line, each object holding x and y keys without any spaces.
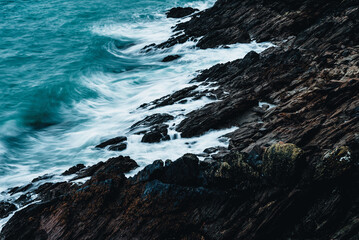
{"x":72,"y":74}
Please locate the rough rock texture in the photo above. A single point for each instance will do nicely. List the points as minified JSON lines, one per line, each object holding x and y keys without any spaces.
{"x":265,"y":20}
{"x":291,"y":170}
{"x":186,"y":199}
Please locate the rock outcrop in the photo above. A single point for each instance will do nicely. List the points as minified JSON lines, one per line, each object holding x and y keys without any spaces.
{"x":188,"y":199}
{"x":179,"y":12}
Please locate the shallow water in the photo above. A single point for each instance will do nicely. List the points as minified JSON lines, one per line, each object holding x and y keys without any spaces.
{"x":72,"y":74}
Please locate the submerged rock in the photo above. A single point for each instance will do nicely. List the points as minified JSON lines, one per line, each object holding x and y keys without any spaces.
{"x":118,"y":147}
{"x":112,"y":141}
{"x":170,"y":58}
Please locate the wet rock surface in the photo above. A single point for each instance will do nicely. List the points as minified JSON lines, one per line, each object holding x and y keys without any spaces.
{"x":153,"y":128}
{"x":179,"y":12}
{"x":6,"y":208}
{"x":115,"y":144}
{"x":291,"y":168}
{"x":157,"y":118}
{"x":73,"y":169}
{"x":157,"y":133}
{"x":170,"y":58}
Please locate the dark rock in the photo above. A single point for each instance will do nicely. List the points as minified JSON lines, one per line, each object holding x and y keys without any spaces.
{"x":220,"y":154}
{"x":334,"y":164}
{"x":178,"y":96}
{"x":254,"y":157}
{"x":168,"y":162}
{"x":214,"y":116}
{"x":179,"y":12}
{"x":281,"y":162}
{"x":24,"y":199}
{"x":151,"y":120}
{"x":20,"y":189}
{"x":118,"y":164}
{"x":112,"y":141}
{"x":156,"y":134}
{"x":223,"y":37}
{"x":50,"y":191}
{"x":170,"y":58}
{"x":44,"y":177}
{"x":233,"y":168}
{"x":6,"y":208}
{"x":210,"y":150}
{"x":118,"y":147}
{"x":73,"y":169}
{"x":184,"y":171}
{"x":148,"y":48}
{"x":150,"y":172}
{"x":180,"y":196}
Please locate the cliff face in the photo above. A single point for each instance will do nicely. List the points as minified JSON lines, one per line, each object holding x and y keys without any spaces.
{"x":262,"y":187}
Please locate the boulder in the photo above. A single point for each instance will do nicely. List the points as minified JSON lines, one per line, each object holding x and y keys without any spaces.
{"x":281,"y":163}
{"x":112,"y":141}
{"x":170,"y":58}
{"x":179,"y":12}
{"x":184,"y":171}
{"x":157,"y":133}
{"x":150,"y":172}
{"x":118,"y":147}
{"x":234,"y":168}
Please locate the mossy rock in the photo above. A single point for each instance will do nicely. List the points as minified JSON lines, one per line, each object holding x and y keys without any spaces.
{"x":281,"y":163}
{"x":334,"y":163}
{"x":234,"y":166}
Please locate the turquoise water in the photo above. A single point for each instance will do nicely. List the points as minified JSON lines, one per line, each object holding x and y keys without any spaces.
{"x":72,"y":74}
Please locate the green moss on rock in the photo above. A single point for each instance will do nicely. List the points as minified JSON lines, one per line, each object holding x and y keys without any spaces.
{"x":235,"y":166}
{"x":281,"y":162}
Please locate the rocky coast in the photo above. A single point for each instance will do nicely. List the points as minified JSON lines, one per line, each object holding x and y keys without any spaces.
{"x":290,"y":170}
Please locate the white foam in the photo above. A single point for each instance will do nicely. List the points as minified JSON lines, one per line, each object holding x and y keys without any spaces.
{"x":260,"y":104}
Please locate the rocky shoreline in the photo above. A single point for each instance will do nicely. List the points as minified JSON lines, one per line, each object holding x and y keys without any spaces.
{"x":291,"y":168}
